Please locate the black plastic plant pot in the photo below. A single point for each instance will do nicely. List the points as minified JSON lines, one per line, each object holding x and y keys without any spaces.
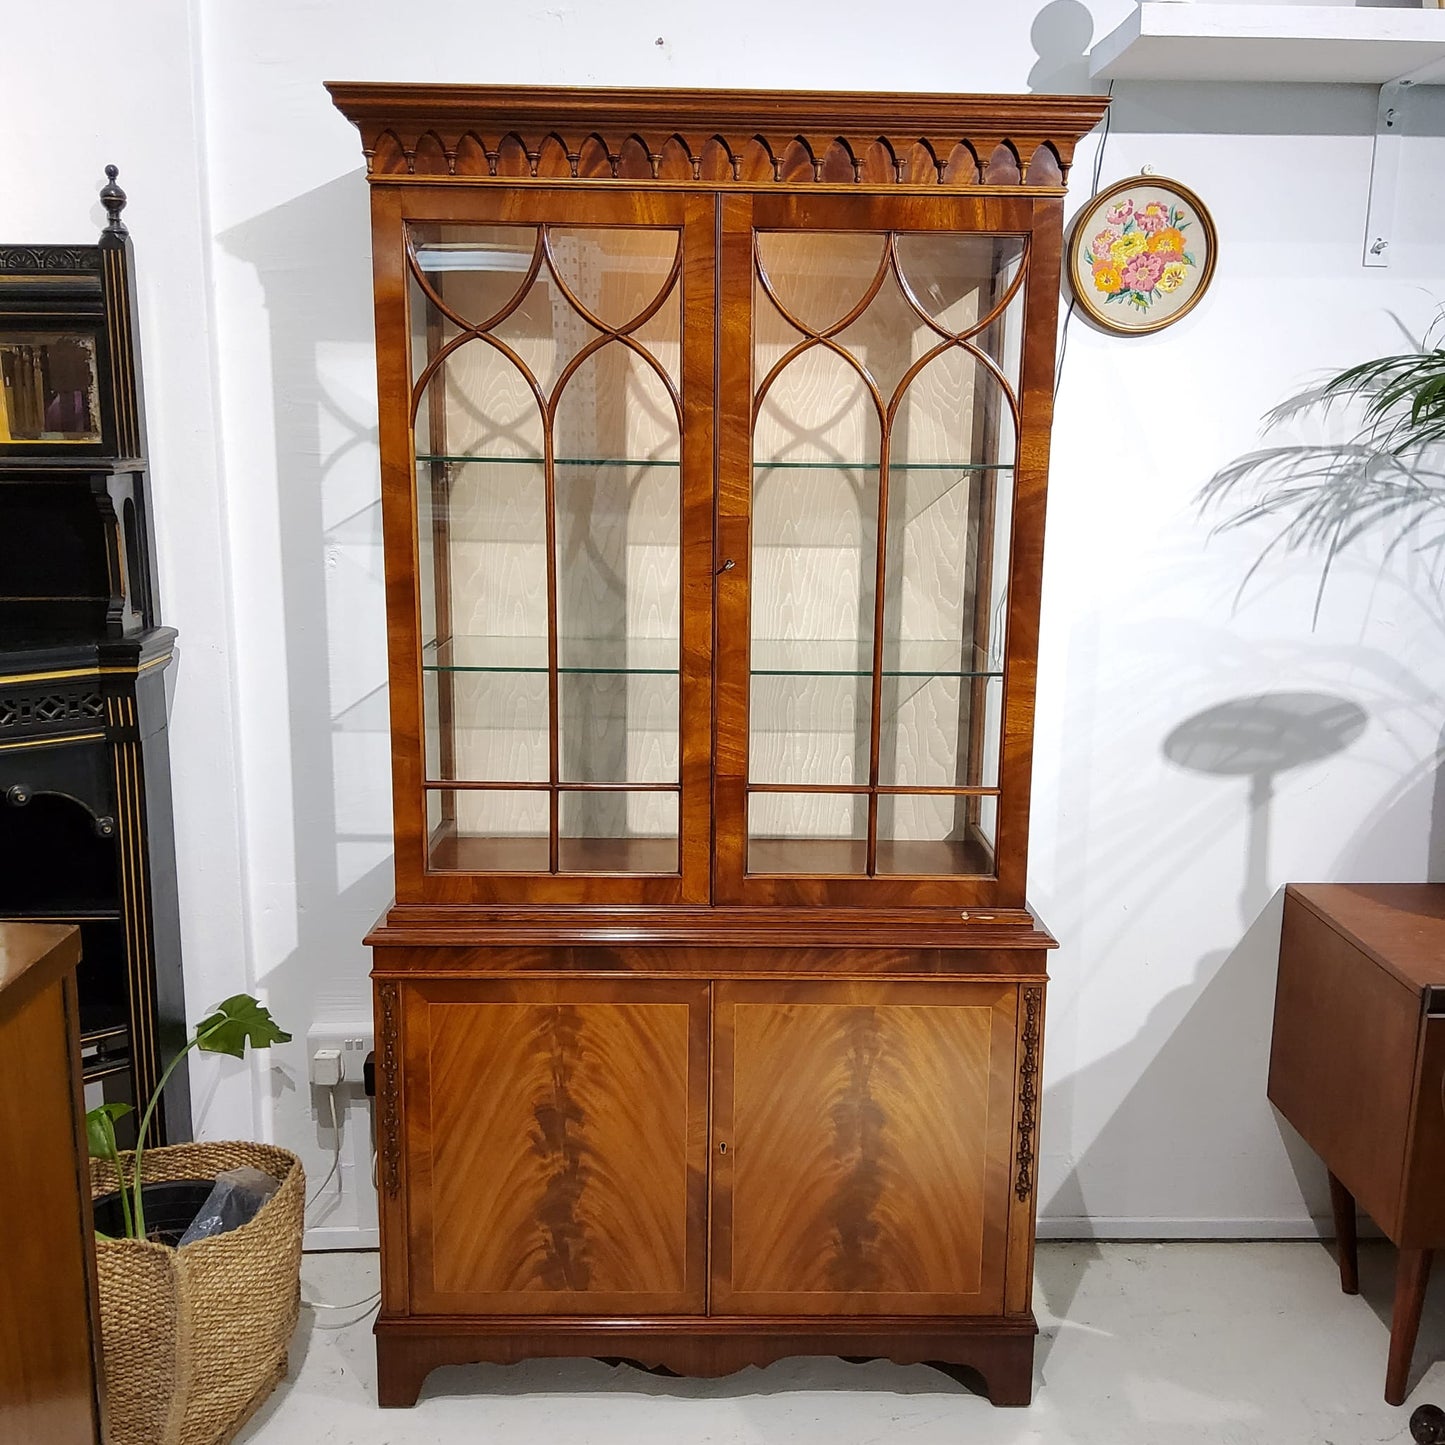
{"x":170,"y":1208}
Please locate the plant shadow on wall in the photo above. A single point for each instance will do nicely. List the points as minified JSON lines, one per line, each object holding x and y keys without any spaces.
{"x":325,"y":659}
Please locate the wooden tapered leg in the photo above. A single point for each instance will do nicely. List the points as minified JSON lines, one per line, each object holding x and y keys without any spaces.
{"x":1412,"y":1274}
{"x":1346,"y":1241}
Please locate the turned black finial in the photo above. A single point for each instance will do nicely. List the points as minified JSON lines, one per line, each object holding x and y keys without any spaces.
{"x":113,"y":199}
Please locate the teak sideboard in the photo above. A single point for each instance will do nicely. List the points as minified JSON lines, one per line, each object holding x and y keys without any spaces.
{"x":1356,"y":1064}
{"x":714,"y":444}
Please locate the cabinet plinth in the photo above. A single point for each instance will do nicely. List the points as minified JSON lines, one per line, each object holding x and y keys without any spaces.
{"x":714,"y":433}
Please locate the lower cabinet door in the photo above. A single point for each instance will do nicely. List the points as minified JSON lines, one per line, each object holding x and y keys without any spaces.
{"x":861,"y":1147}
{"x":556,"y":1137}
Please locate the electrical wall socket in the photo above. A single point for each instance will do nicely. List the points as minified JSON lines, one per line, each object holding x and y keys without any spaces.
{"x":343,"y":1215}
{"x":352,"y":1041}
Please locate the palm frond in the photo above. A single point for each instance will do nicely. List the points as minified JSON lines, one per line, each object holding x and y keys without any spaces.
{"x":1385,"y":479}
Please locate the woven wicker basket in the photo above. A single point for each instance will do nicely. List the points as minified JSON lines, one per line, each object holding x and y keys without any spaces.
{"x":195,"y":1338}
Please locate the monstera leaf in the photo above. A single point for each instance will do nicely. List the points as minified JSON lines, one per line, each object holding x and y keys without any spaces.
{"x":237,"y":1022}
{"x":241,"y":1020}
{"x":100,"y":1128}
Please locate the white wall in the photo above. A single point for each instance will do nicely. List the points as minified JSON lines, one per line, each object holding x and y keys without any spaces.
{"x":131,"y":96}
{"x":250,"y":220}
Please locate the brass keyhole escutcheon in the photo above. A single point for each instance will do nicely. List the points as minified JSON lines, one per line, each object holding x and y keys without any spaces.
{"x":722,"y":1148}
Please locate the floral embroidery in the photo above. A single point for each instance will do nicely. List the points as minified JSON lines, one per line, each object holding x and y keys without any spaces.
{"x":1126,"y":246}
{"x":1144,"y":254}
{"x":1171,"y":238}
{"x":1143,"y":272}
{"x":1174,"y":276}
{"x":1107,"y":277}
{"x":1154,"y":217}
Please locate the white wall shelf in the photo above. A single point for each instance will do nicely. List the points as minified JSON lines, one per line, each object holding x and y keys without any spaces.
{"x":1178,"y":40}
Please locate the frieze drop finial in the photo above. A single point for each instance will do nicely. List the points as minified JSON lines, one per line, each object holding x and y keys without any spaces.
{"x":113,"y":199}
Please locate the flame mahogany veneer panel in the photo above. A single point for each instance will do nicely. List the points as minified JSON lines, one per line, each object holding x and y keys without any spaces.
{"x":554,"y":1146}
{"x":862,"y":1144}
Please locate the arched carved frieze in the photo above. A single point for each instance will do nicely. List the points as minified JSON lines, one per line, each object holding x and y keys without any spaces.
{"x":717,"y":138}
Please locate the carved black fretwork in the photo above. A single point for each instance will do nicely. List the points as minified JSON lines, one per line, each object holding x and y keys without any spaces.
{"x":50,"y":710}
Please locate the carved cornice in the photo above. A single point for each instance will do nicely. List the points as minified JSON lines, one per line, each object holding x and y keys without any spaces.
{"x":715,"y":138}
{"x":1028,"y":1093}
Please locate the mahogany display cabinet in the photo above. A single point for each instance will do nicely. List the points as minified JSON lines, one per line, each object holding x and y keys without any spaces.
{"x":714,"y":444}
{"x":85,"y":790}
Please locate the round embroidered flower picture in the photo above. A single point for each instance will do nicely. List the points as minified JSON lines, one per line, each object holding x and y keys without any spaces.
{"x":1141,"y":254}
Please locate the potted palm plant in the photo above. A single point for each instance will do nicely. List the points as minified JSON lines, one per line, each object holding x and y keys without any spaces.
{"x":195,"y":1336}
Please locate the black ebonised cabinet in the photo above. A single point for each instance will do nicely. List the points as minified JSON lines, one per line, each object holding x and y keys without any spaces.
{"x":85,"y":801}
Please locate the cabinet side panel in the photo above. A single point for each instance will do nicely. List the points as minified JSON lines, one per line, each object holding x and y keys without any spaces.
{"x":553,"y":1162}
{"x":1422,"y":1224}
{"x":398,"y":519}
{"x":1031,"y":481}
{"x":1342,"y":1061}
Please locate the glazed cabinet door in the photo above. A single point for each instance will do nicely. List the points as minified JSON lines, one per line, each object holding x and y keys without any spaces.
{"x":555,"y":1142}
{"x":885,"y":391}
{"x":861,"y":1147}
{"x":548,"y":496}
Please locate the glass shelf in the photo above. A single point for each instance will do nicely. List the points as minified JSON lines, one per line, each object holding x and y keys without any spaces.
{"x":784,"y":657}
{"x":845,"y":657}
{"x":892,"y":466}
{"x":758,"y":466}
{"x":575,"y":655}
{"x":556,"y":461}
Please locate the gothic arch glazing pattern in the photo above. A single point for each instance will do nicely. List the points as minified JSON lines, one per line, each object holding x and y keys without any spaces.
{"x":547,"y":412}
{"x":885,"y":425}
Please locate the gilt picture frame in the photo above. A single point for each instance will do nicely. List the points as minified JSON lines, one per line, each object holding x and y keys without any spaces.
{"x":1141,"y":255}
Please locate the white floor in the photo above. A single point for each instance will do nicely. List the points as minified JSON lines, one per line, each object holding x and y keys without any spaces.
{"x":1233,"y":1344}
